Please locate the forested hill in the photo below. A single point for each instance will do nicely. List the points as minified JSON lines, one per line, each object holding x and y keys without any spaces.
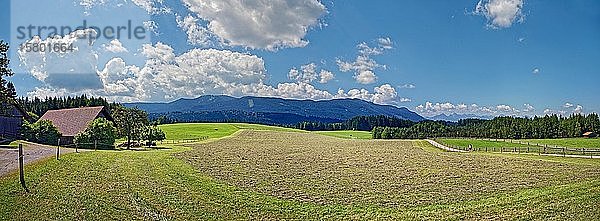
{"x":271,"y":110}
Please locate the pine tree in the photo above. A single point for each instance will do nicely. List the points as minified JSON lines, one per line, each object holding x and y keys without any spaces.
{"x":5,"y":71}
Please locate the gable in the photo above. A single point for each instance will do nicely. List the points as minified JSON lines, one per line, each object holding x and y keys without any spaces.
{"x":71,"y":122}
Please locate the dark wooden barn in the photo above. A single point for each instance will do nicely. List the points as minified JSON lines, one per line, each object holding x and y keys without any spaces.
{"x":11,"y":120}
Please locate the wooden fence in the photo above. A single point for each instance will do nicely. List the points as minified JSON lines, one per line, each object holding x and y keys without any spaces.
{"x":528,"y":148}
{"x":192,"y":140}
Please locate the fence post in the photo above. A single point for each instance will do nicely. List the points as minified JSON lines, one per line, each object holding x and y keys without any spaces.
{"x":58,"y":149}
{"x":545,"y":146}
{"x":21,"y":170}
{"x":76,"y":148}
{"x":564,"y":153}
{"x":95,"y":145}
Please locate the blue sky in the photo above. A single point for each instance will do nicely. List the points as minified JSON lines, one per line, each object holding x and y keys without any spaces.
{"x":492,"y":57}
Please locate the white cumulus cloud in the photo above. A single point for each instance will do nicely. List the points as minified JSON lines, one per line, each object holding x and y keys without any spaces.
{"x":431,"y":109}
{"x":259,"y":24}
{"x":197,"y":34}
{"x":364,"y":66}
{"x":408,"y":86}
{"x":326,"y":76}
{"x":501,"y":13}
{"x":578,"y":109}
{"x":309,"y":73}
{"x":115,"y":46}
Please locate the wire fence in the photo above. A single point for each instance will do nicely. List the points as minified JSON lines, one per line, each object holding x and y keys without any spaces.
{"x":528,"y":147}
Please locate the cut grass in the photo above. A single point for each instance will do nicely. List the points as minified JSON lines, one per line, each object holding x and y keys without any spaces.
{"x":394,"y":175}
{"x":325,"y":178}
{"x":348,"y":134}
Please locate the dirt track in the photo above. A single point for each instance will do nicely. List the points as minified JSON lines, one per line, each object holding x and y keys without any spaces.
{"x":32,"y":153}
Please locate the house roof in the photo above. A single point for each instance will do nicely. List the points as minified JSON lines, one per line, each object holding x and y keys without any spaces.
{"x":588,"y":133}
{"x":71,"y":122}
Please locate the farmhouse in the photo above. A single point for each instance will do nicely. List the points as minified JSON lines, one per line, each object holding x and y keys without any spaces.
{"x":590,"y":135}
{"x":71,"y":122}
{"x":11,"y":120}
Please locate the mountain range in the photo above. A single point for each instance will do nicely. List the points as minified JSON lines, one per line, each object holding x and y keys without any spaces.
{"x":269,"y":110}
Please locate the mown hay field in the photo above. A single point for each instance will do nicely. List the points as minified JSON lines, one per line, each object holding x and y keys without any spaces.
{"x":390,"y":175}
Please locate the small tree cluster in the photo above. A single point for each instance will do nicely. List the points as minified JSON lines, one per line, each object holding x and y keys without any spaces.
{"x":100,"y":131}
{"x":133,"y":124}
{"x":43,"y":132}
{"x":153,"y":133}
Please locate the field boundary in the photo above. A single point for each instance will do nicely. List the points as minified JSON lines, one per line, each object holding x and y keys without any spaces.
{"x":540,"y":150}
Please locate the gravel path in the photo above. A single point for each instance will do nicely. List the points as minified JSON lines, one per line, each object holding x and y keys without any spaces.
{"x":32,"y":153}
{"x":438,"y":145}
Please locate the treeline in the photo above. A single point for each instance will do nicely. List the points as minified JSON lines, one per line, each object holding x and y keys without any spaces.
{"x":40,"y":106}
{"x":236,"y":116}
{"x":362,"y":123}
{"x":546,"y":127}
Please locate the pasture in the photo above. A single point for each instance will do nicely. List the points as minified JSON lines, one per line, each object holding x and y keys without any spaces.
{"x":480,"y":143}
{"x":273,"y":173}
{"x":348,"y":134}
{"x":183,"y":131}
{"x":570,"y":146}
{"x":568,"y":142}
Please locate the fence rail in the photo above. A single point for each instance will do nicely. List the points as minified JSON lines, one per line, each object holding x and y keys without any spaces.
{"x":97,"y":145}
{"x":189,"y":140}
{"x":528,"y":148}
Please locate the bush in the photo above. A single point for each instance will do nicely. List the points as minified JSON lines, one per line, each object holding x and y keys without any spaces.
{"x":43,"y":132}
{"x":100,"y":130}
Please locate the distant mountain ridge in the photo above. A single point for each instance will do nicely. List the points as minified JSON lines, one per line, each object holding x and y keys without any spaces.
{"x":454,"y":117}
{"x":273,"y":110}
